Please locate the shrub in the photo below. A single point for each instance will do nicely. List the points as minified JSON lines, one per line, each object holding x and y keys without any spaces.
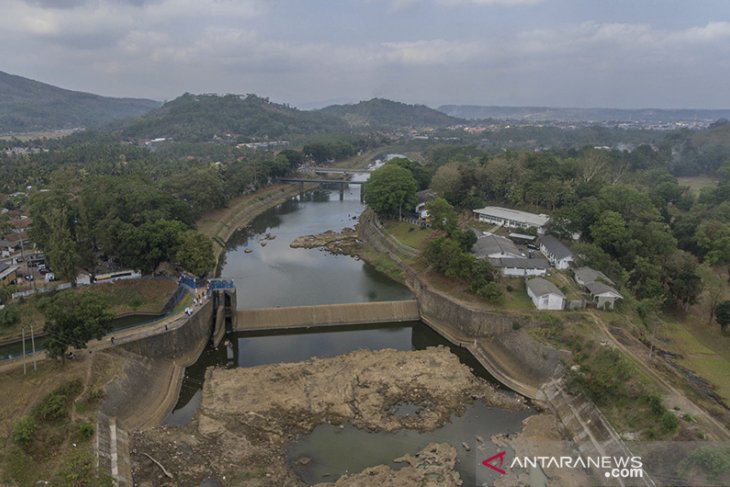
{"x":52,"y":408}
{"x":9,"y":316}
{"x":23,"y":431}
{"x":84,"y":431}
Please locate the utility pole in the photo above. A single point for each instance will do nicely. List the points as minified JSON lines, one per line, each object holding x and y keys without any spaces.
{"x":24,"y":367}
{"x":32,"y":344}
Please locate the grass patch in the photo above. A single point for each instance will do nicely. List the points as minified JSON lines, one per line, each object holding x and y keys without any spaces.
{"x":705,"y":350}
{"x":411,"y":235}
{"x":697,"y":183}
{"x":384,"y":264}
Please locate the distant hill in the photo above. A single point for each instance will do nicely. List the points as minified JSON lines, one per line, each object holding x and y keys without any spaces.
{"x":29,"y":106}
{"x":202,"y":117}
{"x":380,"y":113}
{"x":476,"y":112}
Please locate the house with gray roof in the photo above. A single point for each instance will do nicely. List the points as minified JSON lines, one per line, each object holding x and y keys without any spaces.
{"x":556,"y":252}
{"x":8,"y":274}
{"x":603,"y":295}
{"x":584,"y":275}
{"x":494,"y":247}
{"x":512,"y":218}
{"x":509,"y":266}
{"x":544,"y":294}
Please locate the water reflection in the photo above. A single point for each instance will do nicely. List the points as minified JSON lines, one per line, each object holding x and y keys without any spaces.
{"x":268,"y":272}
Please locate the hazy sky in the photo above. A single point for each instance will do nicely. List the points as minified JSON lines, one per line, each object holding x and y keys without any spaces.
{"x":583,"y":53}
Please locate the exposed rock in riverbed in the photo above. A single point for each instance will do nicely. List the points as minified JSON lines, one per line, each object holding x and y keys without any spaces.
{"x":431,"y":467}
{"x":344,"y":242}
{"x":249,"y":415}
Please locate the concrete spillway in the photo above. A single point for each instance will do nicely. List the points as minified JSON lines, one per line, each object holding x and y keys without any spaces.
{"x":326,"y":315}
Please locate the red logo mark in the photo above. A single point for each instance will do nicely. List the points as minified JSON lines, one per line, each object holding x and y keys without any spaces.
{"x":500,"y":456}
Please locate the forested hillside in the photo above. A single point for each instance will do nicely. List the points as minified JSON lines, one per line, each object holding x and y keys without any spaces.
{"x":27,"y":105}
{"x":204,"y":117}
{"x":380,"y":113}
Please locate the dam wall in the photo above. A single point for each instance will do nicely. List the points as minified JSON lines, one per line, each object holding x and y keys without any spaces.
{"x":326,"y":315}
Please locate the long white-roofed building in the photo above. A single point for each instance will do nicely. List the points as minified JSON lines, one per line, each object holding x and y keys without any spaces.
{"x":512,"y":218}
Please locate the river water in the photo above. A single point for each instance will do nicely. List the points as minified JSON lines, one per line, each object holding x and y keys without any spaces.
{"x":274,"y":274}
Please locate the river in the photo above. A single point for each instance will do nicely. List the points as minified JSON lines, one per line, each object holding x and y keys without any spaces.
{"x":273,"y":274}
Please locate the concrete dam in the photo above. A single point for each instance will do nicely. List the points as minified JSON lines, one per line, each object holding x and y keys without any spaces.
{"x":326,"y":315}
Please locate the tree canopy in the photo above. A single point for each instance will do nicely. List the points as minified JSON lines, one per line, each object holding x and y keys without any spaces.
{"x":72,"y":319}
{"x":390,"y":190}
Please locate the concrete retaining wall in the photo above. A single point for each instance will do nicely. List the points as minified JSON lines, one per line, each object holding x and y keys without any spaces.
{"x":178,"y":341}
{"x":327,"y":315}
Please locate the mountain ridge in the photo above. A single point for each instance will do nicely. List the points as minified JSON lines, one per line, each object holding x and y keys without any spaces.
{"x":27,"y":105}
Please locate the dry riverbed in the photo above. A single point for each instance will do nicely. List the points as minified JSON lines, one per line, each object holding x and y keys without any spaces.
{"x":249,"y":415}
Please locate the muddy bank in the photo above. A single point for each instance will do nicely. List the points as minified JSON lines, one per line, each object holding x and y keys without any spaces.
{"x":248,"y":416}
{"x":344,"y":242}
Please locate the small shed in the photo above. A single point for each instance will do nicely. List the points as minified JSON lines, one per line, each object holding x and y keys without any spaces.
{"x":544,"y":294}
{"x":603,"y":295}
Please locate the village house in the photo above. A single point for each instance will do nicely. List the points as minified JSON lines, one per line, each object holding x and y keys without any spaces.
{"x":512,"y":218}
{"x":556,"y":252}
{"x":521,"y":267}
{"x":603,"y":295}
{"x":8,"y":274}
{"x":544,"y":294}
{"x":424,"y":197}
{"x":494,"y":247}
{"x":584,"y":275}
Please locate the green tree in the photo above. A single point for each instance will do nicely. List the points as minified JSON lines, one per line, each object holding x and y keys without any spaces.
{"x":61,"y":248}
{"x":681,"y":279}
{"x":443,"y":215}
{"x":72,"y":319}
{"x":610,"y":233}
{"x":447,"y":182}
{"x":420,"y":174}
{"x":390,"y":190}
{"x":195,"y":253}
{"x":722,"y":314}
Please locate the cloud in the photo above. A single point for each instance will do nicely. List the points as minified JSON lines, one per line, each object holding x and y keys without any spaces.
{"x":500,"y":3}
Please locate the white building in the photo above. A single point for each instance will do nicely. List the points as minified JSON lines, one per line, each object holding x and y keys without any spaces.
{"x":521,"y":267}
{"x":495,"y":247}
{"x":512,"y":218}
{"x":556,"y":252}
{"x":603,"y":295}
{"x":544,"y":294}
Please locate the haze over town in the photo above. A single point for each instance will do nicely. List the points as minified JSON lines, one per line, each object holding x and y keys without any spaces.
{"x":577,"y":53}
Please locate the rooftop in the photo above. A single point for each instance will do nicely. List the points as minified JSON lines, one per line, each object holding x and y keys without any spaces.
{"x":515,"y":215}
{"x":540,"y":286}
{"x":586,"y":274}
{"x":597,"y":287}
{"x":555,"y":247}
{"x":492,"y":244}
